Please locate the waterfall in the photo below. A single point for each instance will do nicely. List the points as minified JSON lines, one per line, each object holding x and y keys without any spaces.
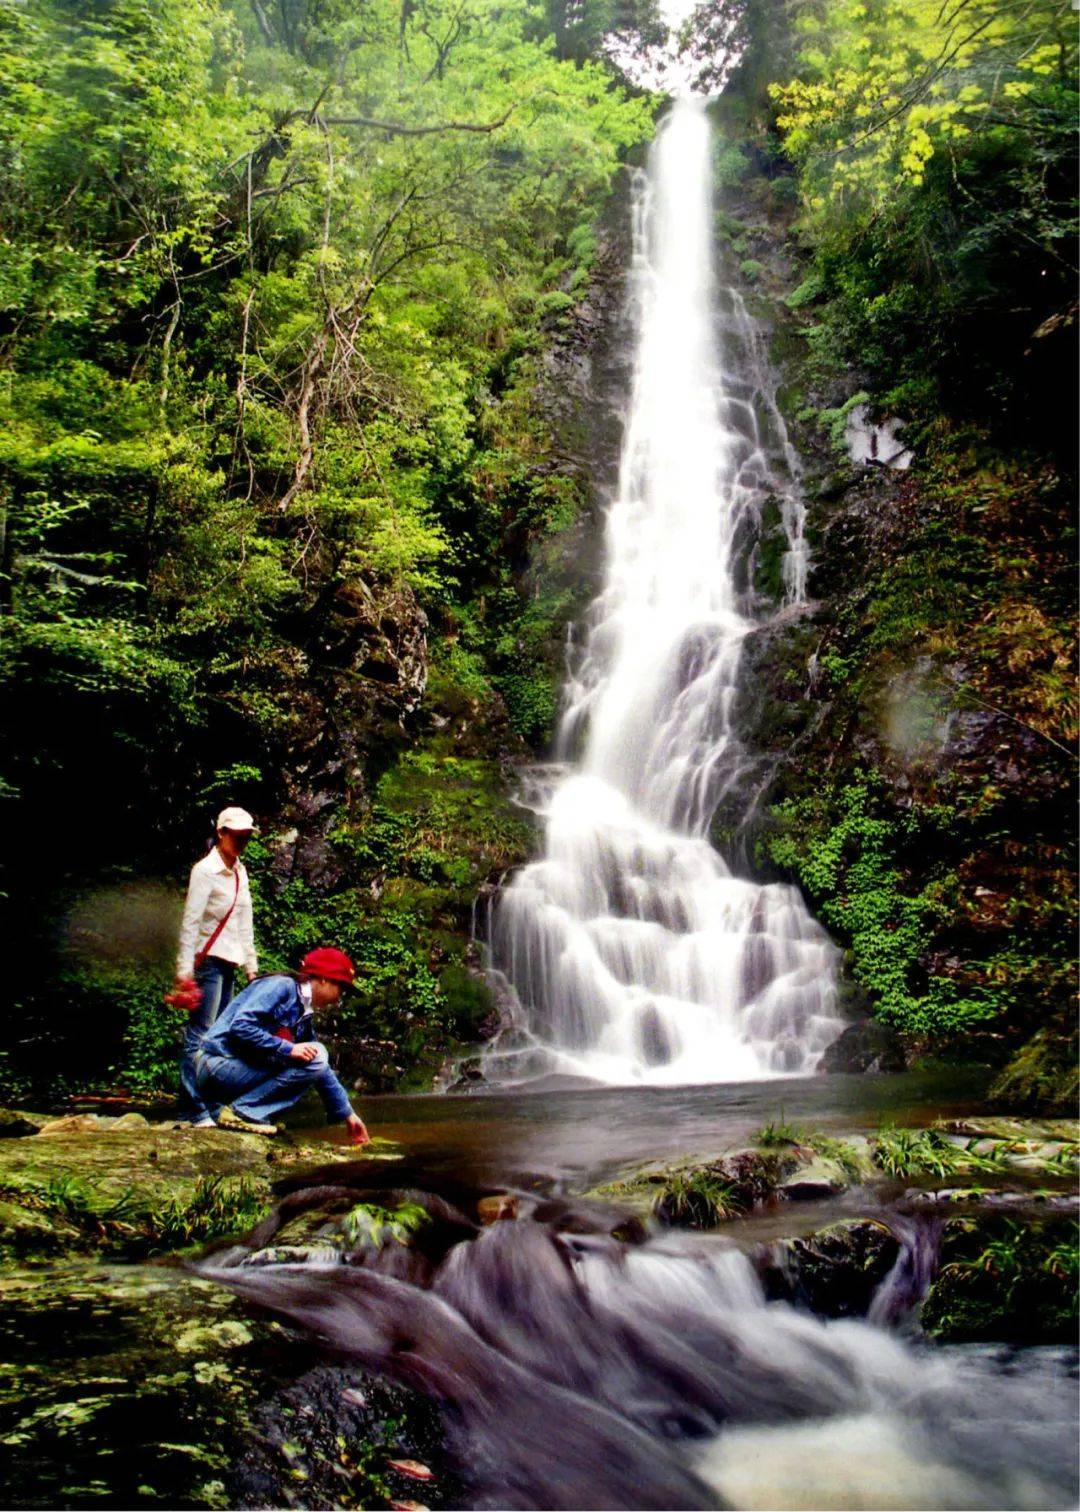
{"x":630,"y":950}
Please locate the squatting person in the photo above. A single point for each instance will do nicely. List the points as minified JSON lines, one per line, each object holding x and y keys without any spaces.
{"x":261,"y":1055}
{"x":216,"y":937}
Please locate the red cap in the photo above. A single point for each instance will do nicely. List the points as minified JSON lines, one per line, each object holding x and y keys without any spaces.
{"x":330,"y":964}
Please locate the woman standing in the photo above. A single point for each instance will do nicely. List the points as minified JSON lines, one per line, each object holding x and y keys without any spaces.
{"x":216,"y":937}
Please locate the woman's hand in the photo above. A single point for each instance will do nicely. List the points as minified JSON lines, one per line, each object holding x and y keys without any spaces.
{"x":306,"y":1052}
{"x":358,"y":1134}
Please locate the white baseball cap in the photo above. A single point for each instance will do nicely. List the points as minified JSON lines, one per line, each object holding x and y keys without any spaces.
{"x":235,"y":819}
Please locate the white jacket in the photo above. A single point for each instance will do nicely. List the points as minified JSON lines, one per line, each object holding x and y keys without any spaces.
{"x":210,"y":892}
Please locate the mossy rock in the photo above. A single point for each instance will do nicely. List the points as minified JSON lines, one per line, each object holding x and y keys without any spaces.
{"x":140,"y":1386}
{"x":833,"y":1272}
{"x":704,"y":1192}
{"x":1043,"y":1077}
{"x":1004,"y":1279}
{"x":90,"y":1183}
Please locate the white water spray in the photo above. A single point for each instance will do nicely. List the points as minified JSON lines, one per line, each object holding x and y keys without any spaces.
{"x":632,"y":952}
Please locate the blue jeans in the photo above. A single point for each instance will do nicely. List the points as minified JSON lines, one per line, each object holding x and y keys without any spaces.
{"x":215,"y":978}
{"x":262,"y":1092}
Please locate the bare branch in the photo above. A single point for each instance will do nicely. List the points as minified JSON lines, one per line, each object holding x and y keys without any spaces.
{"x":397,"y":128}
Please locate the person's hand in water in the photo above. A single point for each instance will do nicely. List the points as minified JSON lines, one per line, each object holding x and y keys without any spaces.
{"x":358,"y":1134}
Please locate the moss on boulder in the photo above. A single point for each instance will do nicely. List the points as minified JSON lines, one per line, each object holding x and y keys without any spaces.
{"x":127,"y":1186}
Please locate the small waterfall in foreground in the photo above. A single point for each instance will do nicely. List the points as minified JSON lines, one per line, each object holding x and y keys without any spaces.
{"x":574,"y":1370}
{"x":633,"y":953}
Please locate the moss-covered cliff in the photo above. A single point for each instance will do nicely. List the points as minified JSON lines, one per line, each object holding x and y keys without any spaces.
{"x":915,"y":722}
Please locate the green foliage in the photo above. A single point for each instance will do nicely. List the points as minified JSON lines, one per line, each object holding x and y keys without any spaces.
{"x":218,"y":1205}
{"x":835,"y":420}
{"x":854,"y":869}
{"x":773,"y":1134}
{"x":935,"y":158}
{"x":1009,"y":1281}
{"x":915,"y":1152}
{"x":698,"y":1199}
{"x":368,"y":1224}
{"x":811,"y":288}
{"x":730,"y":163}
{"x":279,"y":280}
{"x":124,"y":1224}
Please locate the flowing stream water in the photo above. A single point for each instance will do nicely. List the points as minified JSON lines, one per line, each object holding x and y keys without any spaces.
{"x":631,"y":951}
{"x":582,"y":1361}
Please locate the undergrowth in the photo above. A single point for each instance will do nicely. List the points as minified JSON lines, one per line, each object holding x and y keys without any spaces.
{"x":699,"y":1199}
{"x":131,"y":1226}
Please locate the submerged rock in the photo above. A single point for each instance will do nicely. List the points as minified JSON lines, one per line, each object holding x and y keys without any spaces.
{"x":152,"y":1388}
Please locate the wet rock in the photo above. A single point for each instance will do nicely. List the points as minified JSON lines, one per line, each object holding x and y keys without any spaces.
{"x":976,"y":1197}
{"x":340,"y":1437}
{"x":501,"y":1208}
{"x":866,"y":1046}
{"x":1063,"y":1131}
{"x":812,"y":1183}
{"x":99,"y":1391}
{"x":470,"y":1077}
{"x":834,"y":1272}
{"x":75,"y":1123}
{"x":17,"y":1125}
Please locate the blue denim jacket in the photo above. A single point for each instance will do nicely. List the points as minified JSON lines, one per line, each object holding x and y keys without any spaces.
{"x":245,"y":1028}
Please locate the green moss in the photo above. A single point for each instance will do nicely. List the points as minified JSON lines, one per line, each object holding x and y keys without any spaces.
{"x":1043,"y":1076}
{"x":772,"y":545}
{"x":835,"y":420}
{"x":1005,"y":1280}
{"x":132,"y":1224}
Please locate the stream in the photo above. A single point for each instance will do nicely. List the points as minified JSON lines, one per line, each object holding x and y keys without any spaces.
{"x":580,"y":1362}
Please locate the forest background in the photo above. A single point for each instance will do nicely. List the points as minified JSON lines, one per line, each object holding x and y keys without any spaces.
{"x":291,"y":515}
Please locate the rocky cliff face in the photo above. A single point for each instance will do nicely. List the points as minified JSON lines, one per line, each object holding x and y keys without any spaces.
{"x":915,"y":774}
{"x":355,"y":699}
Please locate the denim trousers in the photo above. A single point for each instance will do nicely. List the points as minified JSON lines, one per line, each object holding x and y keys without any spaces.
{"x":262,"y":1092}
{"x":215,"y":978}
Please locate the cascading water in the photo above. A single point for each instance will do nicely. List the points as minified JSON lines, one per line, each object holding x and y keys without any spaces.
{"x":575,"y":1370}
{"x":631,"y":950}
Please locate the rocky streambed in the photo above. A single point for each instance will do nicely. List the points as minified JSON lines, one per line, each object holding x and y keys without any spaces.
{"x":218,"y":1320}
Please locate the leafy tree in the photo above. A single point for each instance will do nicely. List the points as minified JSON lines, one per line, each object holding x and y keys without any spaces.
{"x":273,"y":281}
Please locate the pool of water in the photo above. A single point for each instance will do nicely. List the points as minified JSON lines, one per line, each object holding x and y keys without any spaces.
{"x":576,"y":1137}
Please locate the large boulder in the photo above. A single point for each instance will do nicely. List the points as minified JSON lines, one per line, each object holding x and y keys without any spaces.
{"x":865,"y":1046}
